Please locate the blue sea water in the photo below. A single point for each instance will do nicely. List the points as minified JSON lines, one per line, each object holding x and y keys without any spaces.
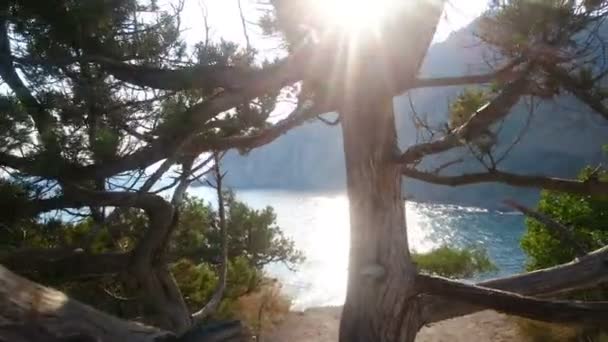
{"x":318,"y":223}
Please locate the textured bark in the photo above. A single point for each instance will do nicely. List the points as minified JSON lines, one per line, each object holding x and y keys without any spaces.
{"x":30,"y":312}
{"x":33,"y":313}
{"x":553,"y":311}
{"x":585,"y":272}
{"x":152,"y":274}
{"x":380,"y":303}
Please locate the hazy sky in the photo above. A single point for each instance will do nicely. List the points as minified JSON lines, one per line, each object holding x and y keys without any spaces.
{"x":225,"y":22}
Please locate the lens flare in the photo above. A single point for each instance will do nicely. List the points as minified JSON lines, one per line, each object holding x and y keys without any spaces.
{"x":354,"y":15}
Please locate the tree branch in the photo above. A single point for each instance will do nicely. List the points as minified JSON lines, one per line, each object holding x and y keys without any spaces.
{"x":31,"y":313}
{"x":504,"y":74}
{"x":487,"y":115}
{"x":511,"y":303}
{"x":43,"y":120}
{"x":305,"y":111}
{"x":582,"y":273}
{"x":564,"y":233}
{"x":578,"y":89}
{"x":593,"y":188}
{"x":218,"y":293}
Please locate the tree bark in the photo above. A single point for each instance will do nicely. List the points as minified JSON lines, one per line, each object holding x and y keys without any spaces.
{"x":381,"y":300}
{"x":32,"y":313}
{"x":582,"y":273}
{"x":381,"y":274}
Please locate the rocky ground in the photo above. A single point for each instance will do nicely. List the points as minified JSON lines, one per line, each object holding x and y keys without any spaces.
{"x":321,"y":325}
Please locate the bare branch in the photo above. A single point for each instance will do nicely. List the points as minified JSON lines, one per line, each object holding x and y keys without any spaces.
{"x":184,"y":182}
{"x":590,"y":187}
{"x":244,"y":24}
{"x":582,"y":273}
{"x":218,"y":293}
{"x":515,"y":304}
{"x":504,"y":74}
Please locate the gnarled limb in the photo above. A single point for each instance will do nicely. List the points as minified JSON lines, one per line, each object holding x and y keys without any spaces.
{"x":32,"y":313}
{"x":24,"y":303}
{"x":487,"y":115}
{"x":582,"y":273}
{"x":146,"y":263}
{"x":554,"y":311}
{"x":590,"y":187}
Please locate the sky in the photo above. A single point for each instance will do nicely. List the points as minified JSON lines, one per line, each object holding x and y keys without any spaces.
{"x":224,"y":20}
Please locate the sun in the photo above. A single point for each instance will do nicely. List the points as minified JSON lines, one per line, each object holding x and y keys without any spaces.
{"x":354,"y":15}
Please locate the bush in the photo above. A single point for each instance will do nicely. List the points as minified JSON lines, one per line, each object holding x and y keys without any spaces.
{"x":454,"y":262}
{"x":263,"y":309}
{"x":195,"y":248}
{"x":588,"y":219}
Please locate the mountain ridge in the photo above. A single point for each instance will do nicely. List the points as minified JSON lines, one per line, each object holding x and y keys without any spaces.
{"x":560,"y":141}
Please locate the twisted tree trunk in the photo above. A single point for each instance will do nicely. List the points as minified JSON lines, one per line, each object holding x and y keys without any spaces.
{"x":32,"y":313}
{"x":380,"y":303}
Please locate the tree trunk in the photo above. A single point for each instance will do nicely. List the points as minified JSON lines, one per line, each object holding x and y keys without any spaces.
{"x":30,"y":312}
{"x":380,"y":303}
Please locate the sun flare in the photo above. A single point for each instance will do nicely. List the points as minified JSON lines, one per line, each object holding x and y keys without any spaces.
{"x":354,"y":15}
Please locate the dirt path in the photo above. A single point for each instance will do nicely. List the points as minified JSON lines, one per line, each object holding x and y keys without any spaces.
{"x":321,"y":325}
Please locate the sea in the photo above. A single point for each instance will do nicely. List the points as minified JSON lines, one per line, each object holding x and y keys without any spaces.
{"x":319,"y":225}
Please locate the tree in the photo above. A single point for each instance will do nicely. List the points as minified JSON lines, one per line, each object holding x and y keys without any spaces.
{"x":101,"y":91}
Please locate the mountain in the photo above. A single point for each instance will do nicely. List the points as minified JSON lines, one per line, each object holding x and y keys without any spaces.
{"x":562,"y":136}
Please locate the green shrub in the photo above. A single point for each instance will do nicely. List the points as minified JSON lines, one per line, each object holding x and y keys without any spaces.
{"x":454,"y":262}
{"x":587,"y":217}
{"x":254,"y":240}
